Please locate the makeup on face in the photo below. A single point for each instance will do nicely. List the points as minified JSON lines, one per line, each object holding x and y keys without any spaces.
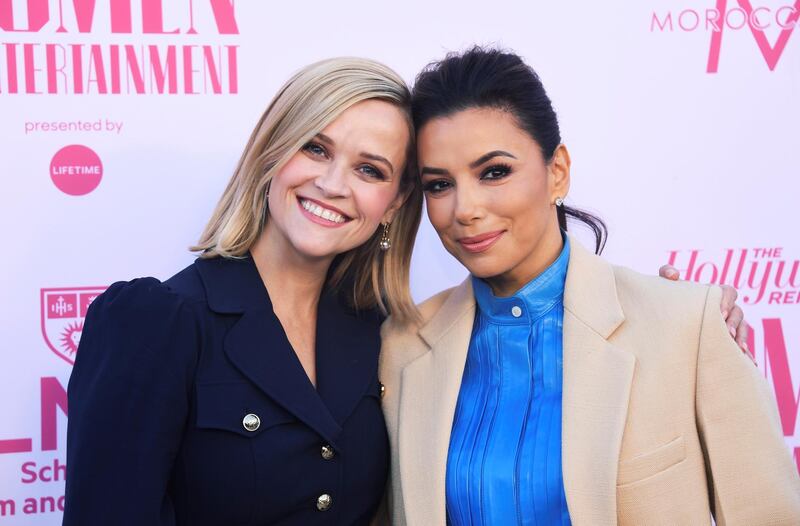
{"x":332,"y":195}
{"x":489,"y":193}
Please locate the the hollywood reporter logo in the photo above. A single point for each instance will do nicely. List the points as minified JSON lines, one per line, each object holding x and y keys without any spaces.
{"x":740,"y":15}
{"x":762,"y":275}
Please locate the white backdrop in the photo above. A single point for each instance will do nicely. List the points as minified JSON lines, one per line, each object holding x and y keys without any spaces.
{"x":683,"y":137}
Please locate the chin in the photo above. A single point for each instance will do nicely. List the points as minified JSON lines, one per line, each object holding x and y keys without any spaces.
{"x":484,"y":272}
{"x":308,"y":249}
{"x":482,"y":266}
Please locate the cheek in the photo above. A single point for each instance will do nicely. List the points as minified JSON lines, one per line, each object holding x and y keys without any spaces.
{"x":439,"y":211}
{"x":294,"y":173}
{"x":298,"y":171}
{"x":374,"y":201}
{"x":530,"y":209}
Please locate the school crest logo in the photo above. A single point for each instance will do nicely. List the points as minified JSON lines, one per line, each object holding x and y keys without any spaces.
{"x":63,"y":312}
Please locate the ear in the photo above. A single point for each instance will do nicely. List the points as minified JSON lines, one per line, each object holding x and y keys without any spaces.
{"x":558,"y":171}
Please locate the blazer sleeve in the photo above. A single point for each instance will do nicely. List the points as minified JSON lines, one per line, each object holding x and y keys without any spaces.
{"x":128,"y":400}
{"x":752,"y":478}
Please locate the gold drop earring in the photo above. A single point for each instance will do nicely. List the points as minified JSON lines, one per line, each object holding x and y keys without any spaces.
{"x":385,"y":244}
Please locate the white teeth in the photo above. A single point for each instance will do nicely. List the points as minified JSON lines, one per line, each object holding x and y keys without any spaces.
{"x":324,"y":213}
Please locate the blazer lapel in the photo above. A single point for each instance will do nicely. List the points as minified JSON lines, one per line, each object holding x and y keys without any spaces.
{"x":347,"y":357}
{"x":257,"y":345}
{"x":429,"y":392}
{"x":597,"y":382}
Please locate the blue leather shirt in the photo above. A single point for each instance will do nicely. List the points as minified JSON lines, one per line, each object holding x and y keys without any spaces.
{"x":504,"y":461}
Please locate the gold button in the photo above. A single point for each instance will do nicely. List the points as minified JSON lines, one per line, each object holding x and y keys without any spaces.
{"x":383,"y":389}
{"x":327,"y":452}
{"x":251,"y":422}
{"x":324,"y":502}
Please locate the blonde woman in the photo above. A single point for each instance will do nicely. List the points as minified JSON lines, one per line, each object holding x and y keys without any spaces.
{"x":244,"y":389}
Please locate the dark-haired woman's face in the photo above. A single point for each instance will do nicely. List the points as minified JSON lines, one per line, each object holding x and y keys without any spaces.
{"x":490,"y":195}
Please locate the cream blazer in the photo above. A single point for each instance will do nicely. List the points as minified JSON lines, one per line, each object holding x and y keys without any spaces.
{"x":664,"y":419}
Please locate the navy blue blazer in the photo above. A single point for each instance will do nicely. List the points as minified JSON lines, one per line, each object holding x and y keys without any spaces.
{"x":168,"y":374}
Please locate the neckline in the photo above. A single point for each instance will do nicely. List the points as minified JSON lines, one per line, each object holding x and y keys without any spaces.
{"x":535,"y":299}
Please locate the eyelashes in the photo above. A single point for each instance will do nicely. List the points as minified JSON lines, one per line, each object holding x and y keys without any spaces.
{"x":496,"y":171}
{"x":373,"y":172}
{"x":315,"y":149}
{"x":491,"y":173}
{"x":436,"y":186}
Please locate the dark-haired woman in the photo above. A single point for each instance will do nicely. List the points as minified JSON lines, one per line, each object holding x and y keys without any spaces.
{"x":552,"y":387}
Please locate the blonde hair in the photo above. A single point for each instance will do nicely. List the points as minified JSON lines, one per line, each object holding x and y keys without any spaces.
{"x":313,"y":98}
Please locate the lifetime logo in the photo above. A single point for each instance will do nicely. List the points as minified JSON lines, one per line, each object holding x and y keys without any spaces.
{"x":738,"y":17}
{"x":76,"y":169}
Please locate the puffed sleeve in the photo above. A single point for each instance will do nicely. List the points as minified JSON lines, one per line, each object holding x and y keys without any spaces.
{"x":751,"y":474}
{"x":128,"y":400}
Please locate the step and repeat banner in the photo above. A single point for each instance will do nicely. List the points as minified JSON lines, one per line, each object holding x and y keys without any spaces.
{"x":122,"y":120}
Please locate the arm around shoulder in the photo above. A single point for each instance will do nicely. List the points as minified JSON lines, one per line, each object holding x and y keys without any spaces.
{"x":128,"y":403}
{"x":750,"y":470}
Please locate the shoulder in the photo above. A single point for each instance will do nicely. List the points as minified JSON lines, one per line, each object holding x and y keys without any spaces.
{"x":188,"y":283}
{"x":653,"y":303}
{"x":146,"y":311}
{"x":634,"y":287}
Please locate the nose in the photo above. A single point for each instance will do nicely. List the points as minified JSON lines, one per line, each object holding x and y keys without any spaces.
{"x":469,"y":206}
{"x":333,"y":181}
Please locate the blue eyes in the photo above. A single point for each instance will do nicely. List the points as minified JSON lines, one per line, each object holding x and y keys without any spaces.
{"x":495,"y":172}
{"x":317,"y":150}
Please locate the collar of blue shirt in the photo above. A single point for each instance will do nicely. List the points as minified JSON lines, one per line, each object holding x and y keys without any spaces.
{"x":530,"y":302}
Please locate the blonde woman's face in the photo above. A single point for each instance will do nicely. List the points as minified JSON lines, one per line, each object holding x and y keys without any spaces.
{"x":334,"y":193}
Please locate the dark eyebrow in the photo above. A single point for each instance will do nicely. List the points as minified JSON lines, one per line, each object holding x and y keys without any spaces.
{"x":379,"y":159}
{"x":324,"y":138}
{"x":483,"y":158}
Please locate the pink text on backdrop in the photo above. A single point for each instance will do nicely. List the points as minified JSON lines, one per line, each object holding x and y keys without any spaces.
{"x":173,"y":61}
{"x":152,"y":16}
{"x":53,"y":398}
{"x":719,"y":18}
{"x":761,"y":274}
{"x":51,"y":68}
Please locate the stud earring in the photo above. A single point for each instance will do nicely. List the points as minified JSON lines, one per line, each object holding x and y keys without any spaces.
{"x":385,"y":244}
{"x":559,"y":201}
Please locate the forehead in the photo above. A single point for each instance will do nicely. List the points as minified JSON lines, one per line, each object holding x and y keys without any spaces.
{"x":373,"y":126}
{"x":464,"y":136}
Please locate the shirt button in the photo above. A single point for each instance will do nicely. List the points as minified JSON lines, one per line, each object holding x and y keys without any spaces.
{"x":327,"y":452}
{"x":383,"y":389}
{"x":516,"y":311}
{"x":324,"y":502}
{"x":251,"y":422}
